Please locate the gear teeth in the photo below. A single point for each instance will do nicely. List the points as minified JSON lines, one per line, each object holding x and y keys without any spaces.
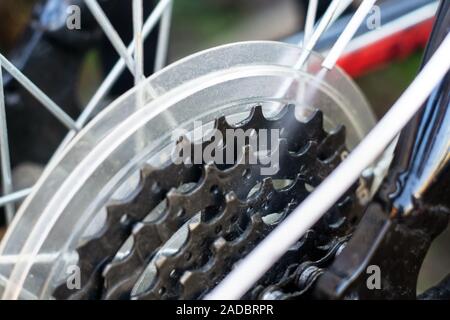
{"x":169,"y":222}
{"x":102,"y":248}
{"x":214,"y":228}
{"x":160,"y":261}
{"x":310,"y":130}
{"x":201,"y":194}
{"x":335,"y":138}
{"x":316,"y":120}
{"x":197,"y":232}
{"x":221,"y":124}
{"x":296,"y":132}
{"x":219,"y":244}
{"x":265,"y":192}
{"x":108,"y":240}
{"x":193,"y":226}
{"x":158,"y":183}
{"x":255,"y":119}
{"x":146,"y":238}
{"x":287,"y":118}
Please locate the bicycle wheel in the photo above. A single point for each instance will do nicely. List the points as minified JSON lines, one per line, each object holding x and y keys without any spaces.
{"x":114,"y":208}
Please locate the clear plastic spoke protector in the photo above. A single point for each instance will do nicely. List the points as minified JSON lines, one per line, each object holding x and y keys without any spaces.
{"x":137,"y":128}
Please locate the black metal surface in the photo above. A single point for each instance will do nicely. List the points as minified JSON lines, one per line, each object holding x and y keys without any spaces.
{"x":307,"y":156}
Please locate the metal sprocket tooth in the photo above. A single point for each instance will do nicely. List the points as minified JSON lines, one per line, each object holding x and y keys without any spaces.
{"x":297,"y":133}
{"x":118,"y":270}
{"x":173,"y":268}
{"x":99,"y":251}
{"x":305,"y":162}
{"x":120,"y":275}
{"x":223,"y":253}
{"x":181,"y":206}
{"x":327,"y":148}
{"x":101,"y":248}
{"x":149,"y":236}
{"x":197,"y":231}
{"x":336,"y":226}
{"x":94,"y":254}
{"x":202,"y":233}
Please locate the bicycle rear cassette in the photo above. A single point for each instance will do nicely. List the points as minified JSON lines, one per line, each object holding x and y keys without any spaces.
{"x":117,"y":208}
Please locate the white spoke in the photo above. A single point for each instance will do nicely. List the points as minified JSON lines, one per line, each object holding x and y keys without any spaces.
{"x":163,"y":38}
{"x":138,"y":58}
{"x":138,"y":41}
{"x":331,"y":189}
{"x":310,"y":19}
{"x":38,"y":94}
{"x":14,"y":197}
{"x":7,"y":183}
{"x":340,"y":10}
{"x":334,"y":10}
{"x":114,"y":74}
{"x":110,"y":32}
{"x":163,"y":9}
{"x":118,"y":68}
{"x":342,"y":6}
{"x":329,"y":16}
{"x":348,"y":33}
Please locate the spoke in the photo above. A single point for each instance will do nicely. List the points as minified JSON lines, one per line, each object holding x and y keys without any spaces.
{"x":340,"y":10}
{"x":163,"y":38}
{"x":335,"y":9}
{"x":14,"y":197}
{"x":41,"y":258}
{"x":310,"y":19}
{"x":109,"y":81}
{"x":329,"y":16}
{"x":139,"y":60}
{"x":38,"y":94}
{"x":138,"y":41}
{"x":7,"y":183}
{"x":402,"y":23}
{"x":113,"y":75}
{"x":348,"y":33}
{"x":342,"y":6}
{"x":248,"y":271}
{"x":110,"y":32}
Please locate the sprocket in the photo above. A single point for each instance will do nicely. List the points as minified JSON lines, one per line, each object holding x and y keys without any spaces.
{"x":231,"y":218}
